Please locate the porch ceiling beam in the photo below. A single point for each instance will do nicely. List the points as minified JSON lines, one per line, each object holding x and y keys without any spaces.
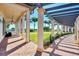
{"x":66,"y":14}
{"x":64,"y":10}
{"x":61,"y":6}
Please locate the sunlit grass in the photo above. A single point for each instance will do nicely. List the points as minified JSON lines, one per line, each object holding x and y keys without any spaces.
{"x":33,"y":36}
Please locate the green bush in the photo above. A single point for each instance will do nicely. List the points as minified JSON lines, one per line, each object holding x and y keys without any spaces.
{"x":52,"y":38}
{"x":46,"y":29}
{"x":31,"y":30}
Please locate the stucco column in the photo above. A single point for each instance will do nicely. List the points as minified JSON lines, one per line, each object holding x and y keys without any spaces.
{"x":58,"y":29}
{"x":20,"y":26}
{"x":72,"y":29}
{"x":23,"y":30}
{"x":52,"y":29}
{"x":68,"y":29}
{"x":1,"y":28}
{"x":17,"y":28}
{"x":4,"y":27}
{"x":28,"y":26}
{"x":77,"y":30}
{"x":40,"y":29}
{"x":63,"y":28}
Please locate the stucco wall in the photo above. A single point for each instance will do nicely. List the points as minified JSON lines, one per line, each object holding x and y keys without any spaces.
{"x":1,"y":28}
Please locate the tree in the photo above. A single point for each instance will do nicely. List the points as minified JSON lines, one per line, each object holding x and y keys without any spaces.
{"x":45,"y":22}
{"x":34,"y":19}
{"x":49,"y":23}
{"x":46,"y":28}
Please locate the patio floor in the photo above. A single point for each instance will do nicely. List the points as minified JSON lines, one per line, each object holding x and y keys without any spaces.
{"x":17,"y":47}
{"x":63,"y":46}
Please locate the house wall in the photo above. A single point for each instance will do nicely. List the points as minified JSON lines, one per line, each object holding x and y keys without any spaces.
{"x":1,"y":28}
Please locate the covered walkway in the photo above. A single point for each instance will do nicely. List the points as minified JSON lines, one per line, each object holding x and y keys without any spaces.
{"x":17,"y":46}
{"x":63,"y":46}
{"x":66,"y":15}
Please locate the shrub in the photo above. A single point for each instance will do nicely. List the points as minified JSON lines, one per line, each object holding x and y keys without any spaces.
{"x":31,"y":30}
{"x":51,"y":38}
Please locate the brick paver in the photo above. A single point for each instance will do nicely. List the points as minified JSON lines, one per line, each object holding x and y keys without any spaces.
{"x":63,"y":46}
{"x":17,"y":47}
{"x":66,"y":47}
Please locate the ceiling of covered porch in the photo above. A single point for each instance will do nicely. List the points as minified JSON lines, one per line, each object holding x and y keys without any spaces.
{"x":64,"y":13}
{"x":12,"y":11}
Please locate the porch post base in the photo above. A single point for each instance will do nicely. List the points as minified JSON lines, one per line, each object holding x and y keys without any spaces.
{"x":40,"y":49}
{"x":76,"y":42}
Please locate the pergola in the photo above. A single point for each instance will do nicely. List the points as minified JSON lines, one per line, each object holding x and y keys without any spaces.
{"x":64,"y":14}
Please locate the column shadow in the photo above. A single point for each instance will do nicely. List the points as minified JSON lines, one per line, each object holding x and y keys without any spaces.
{"x":55,"y":46}
{"x":52,"y":54}
{"x":69,"y":47}
{"x":38,"y":53}
{"x":15,"y":48}
{"x":68,"y":51}
{"x":3,"y":46}
{"x":15,"y":41}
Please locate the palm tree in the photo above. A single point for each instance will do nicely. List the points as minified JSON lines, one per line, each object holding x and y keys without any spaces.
{"x":49,"y":23}
{"x":46,"y":28}
{"x":34,"y":19}
{"x":45,"y":22}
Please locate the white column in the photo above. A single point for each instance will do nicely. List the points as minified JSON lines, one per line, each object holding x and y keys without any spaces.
{"x":40,"y":29}
{"x":63,"y":29}
{"x":72,"y":29}
{"x":17,"y":28}
{"x":4,"y":27}
{"x":58,"y":29}
{"x":23,"y":30}
{"x":52,"y":29}
{"x":68,"y":29}
{"x":77,"y":30}
{"x":1,"y":28}
{"x":28,"y":26}
{"x":23,"y":24}
{"x":20,"y":26}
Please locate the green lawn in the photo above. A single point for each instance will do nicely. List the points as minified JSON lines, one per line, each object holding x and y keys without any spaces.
{"x":33,"y":36}
{"x":46,"y":38}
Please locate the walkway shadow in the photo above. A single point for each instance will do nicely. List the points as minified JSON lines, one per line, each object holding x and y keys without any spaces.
{"x":69,"y":51}
{"x":38,"y":53}
{"x":15,"y":41}
{"x":69,"y":44}
{"x":15,"y":48}
{"x":55,"y":46}
{"x":52,"y":54}
{"x":69,"y":47}
{"x":3,"y":46}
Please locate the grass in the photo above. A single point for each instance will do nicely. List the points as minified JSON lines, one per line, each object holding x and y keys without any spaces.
{"x":33,"y":36}
{"x":46,"y":37}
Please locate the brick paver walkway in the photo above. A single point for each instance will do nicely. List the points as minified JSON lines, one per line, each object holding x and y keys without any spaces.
{"x":63,"y":46}
{"x":17,"y":47}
